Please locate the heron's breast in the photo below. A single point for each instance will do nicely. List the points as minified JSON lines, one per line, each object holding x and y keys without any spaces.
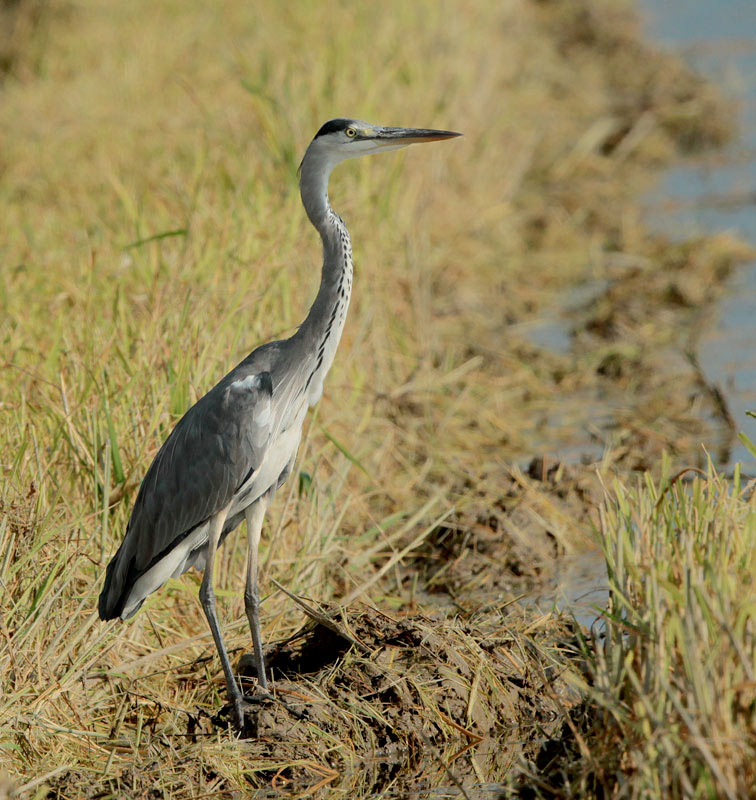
{"x":280,"y":451}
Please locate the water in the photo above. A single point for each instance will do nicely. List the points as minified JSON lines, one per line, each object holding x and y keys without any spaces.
{"x":717,"y":192}
{"x":709,"y":194}
{"x":579,"y":587}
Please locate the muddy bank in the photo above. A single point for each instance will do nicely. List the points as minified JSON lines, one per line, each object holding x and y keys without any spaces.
{"x":388,"y":707}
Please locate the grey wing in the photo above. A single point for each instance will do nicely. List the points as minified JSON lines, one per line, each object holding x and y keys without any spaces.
{"x":210,"y":453}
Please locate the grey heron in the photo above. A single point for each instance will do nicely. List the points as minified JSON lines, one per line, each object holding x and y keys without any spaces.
{"x":231,"y":451}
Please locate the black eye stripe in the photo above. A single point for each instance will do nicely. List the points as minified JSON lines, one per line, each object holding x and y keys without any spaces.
{"x":333,"y":126}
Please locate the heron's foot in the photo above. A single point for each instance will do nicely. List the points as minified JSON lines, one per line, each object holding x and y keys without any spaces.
{"x":261,"y":698}
{"x":242,"y":709}
{"x":239,"y":710}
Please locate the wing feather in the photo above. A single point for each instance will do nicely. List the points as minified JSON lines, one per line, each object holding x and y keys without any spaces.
{"x":219,"y":442}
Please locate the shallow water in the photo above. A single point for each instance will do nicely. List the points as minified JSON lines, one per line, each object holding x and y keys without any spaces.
{"x":578,"y":587}
{"x":713,"y":193}
{"x":708,"y":194}
{"x":717,"y":192}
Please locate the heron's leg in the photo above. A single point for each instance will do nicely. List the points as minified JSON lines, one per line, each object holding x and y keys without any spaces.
{"x":207,"y":598}
{"x":255,"y":515}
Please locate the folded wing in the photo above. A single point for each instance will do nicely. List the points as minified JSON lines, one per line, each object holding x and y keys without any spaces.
{"x":214,"y":448}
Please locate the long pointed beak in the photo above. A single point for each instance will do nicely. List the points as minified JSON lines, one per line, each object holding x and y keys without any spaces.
{"x":401,"y":136}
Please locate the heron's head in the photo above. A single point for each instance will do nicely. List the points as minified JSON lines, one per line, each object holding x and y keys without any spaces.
{"x":340,"y":139}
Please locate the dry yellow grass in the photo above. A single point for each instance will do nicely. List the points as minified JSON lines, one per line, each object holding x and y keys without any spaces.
{"x":152,"y":235}
{"x":673,"y":679}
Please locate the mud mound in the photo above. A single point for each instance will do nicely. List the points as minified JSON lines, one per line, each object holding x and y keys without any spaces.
{"x":414,"y":699}
{"x":377,"y":706}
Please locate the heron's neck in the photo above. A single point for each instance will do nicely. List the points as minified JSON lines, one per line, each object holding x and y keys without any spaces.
{"x":322,"y":328}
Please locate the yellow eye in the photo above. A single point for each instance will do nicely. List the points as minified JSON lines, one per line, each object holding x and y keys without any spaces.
{"x":351,"y":132}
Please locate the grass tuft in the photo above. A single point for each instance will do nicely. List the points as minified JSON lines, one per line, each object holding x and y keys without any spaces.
{"x":670,"y":673}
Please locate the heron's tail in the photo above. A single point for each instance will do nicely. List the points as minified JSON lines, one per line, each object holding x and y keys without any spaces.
{"x":116,"y":588}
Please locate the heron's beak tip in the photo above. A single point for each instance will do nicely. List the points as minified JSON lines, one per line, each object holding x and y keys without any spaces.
{"x":441,"y":135}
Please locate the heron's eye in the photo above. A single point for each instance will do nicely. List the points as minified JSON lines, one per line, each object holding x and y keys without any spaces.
{"x":350,"y":132}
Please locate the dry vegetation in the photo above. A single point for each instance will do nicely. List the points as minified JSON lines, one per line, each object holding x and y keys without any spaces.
{"x":152,"y":235}
{"x":670,"y":691}
{"x":681,"y":654}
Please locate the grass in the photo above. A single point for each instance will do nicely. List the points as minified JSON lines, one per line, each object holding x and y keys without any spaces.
{"x":674,"y":675}
{"x":152,"y":235}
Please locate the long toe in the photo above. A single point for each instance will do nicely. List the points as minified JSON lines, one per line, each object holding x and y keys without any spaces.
{"x":241,"y":714}
{"x":264,"y":698}
{"x":248,"y":712}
